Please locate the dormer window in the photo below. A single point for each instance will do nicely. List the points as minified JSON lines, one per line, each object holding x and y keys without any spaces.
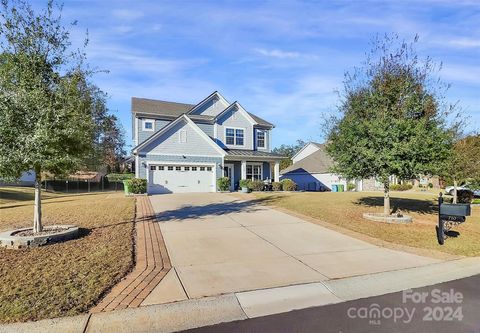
{"x":148,"y":125}
{"x":261,"y":139}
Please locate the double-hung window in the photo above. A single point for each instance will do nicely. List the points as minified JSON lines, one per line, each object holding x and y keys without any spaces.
{"x":234,"y":136}
{"x":254,"y":171}
{"x":261,"y":139}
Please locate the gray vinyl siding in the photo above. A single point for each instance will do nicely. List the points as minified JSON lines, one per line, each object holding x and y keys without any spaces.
{"x":169,"y":143}
{"x":159,"y":124}
{"x":207,"y":128}
{"x":240,"y":121}
{"x":145,"y":158}
{"x":144,"y":135}
{"x":211,"y":109}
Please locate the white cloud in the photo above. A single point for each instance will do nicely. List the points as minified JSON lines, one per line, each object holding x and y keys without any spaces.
{"x":461,"y":73}
{"x":127,"y":14}
{"x":275,"y":53}
{"x":464,"y":42}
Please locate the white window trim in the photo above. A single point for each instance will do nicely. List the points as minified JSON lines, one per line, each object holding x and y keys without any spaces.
{"x":235,"y":136}
{"x":252,"y":164}
{"x":264,"y":138}
{"x":148,"y":121}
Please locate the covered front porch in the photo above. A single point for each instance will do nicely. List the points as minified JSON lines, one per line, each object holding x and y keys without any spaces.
{"x":253,"y":165}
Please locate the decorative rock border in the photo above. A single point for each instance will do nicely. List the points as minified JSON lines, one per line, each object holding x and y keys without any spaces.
{"x":11,"y":240}
{"x":394,"y":219}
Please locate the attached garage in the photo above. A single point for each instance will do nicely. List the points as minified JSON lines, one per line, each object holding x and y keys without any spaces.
{"x":180,"y":178}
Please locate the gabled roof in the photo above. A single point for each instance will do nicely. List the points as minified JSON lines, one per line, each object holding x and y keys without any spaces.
{"x":156,"y":107}
{"x":172,"y":124}
{"x":215,"y":94}
{"x":172,"y":110}
{"x":260,"y":121}
{"x":318,"y":145}
{"x":318,"y":162}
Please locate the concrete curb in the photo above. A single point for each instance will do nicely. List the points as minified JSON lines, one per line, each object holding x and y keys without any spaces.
{"x":207,"y":311}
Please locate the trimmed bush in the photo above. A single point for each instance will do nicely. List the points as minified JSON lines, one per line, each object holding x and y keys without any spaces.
{"x":114,"y":177}
{"x":464,"y":196}
{"x":401,"y":187}
{"x":256,"y":185}
{"x":288,"y":185}
{"x":476,"y":201}
{"x":223,"y":183}
{"x":246,"y":183}
{"x":137,"y":185}
{"x":351,"y":187}
{"x":276,"y":186}
{"x":430,"y":185}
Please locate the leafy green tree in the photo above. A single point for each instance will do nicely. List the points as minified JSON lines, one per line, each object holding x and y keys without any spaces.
{"x":108,"y":145}
{"x":393,"y":118}
{"x":46,"y":102}
{"x":288,"y":151}
{"x":464,"y":162}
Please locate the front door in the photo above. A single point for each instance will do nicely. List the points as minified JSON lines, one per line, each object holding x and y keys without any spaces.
{"x":228,"y":172}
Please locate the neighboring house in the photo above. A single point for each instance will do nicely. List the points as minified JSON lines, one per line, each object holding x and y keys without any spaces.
{"x":311,"y":169}
{"x":186,"y":148}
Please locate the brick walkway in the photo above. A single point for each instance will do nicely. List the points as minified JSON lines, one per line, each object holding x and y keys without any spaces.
{"x":152,"y":263}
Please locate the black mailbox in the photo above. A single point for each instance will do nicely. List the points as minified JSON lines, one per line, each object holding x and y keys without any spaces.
{"x":455,"y":210}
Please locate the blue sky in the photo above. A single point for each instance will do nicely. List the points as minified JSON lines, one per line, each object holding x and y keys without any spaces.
{"x":282,"y":60}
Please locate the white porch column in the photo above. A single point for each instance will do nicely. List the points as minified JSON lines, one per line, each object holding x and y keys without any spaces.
{"x":276,"y":172}
{"x":244,"y":169}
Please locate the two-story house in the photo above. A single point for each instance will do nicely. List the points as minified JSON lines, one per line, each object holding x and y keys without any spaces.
{"x":186,"y":148}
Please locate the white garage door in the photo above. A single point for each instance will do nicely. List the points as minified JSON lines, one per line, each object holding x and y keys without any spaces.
{"x":165,"y":178}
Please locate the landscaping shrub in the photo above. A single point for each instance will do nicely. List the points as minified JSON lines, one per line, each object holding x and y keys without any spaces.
{"x":246,"y":183}
{"x":137,"y":185}
{"x":430,"y":185}
{"x":256,"y":185}
{"x":223,"y":183}
{"x":288,"y":185}
{"x":464,"y":196}
{"x":113,"y":177}
{"x":401,"y":187}
{"x":276,"y":186}
{"x":351,"y":187}
{"x":476,"y":201}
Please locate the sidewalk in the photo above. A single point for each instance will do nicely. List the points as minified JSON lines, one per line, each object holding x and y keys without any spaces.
{"x":194,"y":313}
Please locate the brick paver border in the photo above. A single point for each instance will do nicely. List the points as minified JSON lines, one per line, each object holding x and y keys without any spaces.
{"x":152,"y":263}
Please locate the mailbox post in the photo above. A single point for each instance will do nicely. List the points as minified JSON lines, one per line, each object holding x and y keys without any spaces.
{"x":448,"y":216}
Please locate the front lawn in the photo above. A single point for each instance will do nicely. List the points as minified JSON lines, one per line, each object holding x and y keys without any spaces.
{"x":66,"y":278}
{"x":346,"y":209}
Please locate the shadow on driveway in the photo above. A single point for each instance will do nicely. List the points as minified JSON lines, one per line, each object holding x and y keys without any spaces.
{"x":220,"y":208}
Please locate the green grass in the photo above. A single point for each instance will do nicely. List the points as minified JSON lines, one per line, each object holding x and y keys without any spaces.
{"x":346,"y":209}
{"x":65,"y":278}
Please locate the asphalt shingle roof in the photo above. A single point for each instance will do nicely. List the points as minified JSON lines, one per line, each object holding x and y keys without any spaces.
{"x":152,"y":106}
{"x":318,"y":162}
{"x":174,"y":109}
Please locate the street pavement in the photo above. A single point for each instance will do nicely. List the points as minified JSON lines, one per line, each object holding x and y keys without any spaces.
{"x":443,"y":308}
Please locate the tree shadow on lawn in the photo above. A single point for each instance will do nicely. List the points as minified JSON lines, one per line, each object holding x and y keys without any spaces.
{"x":217,"y":209}
{"x":31,"y":203}
{"x":403,"y":204}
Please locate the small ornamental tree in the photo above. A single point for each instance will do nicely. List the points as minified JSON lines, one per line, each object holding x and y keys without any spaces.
{"x":46,"y":102}
{"x":393,"y":119}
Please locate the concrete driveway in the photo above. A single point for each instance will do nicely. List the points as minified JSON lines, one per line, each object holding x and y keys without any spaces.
{"x":220,"y":244}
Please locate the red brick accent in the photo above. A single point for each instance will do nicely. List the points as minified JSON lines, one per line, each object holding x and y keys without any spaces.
{"x":152,"y":263}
